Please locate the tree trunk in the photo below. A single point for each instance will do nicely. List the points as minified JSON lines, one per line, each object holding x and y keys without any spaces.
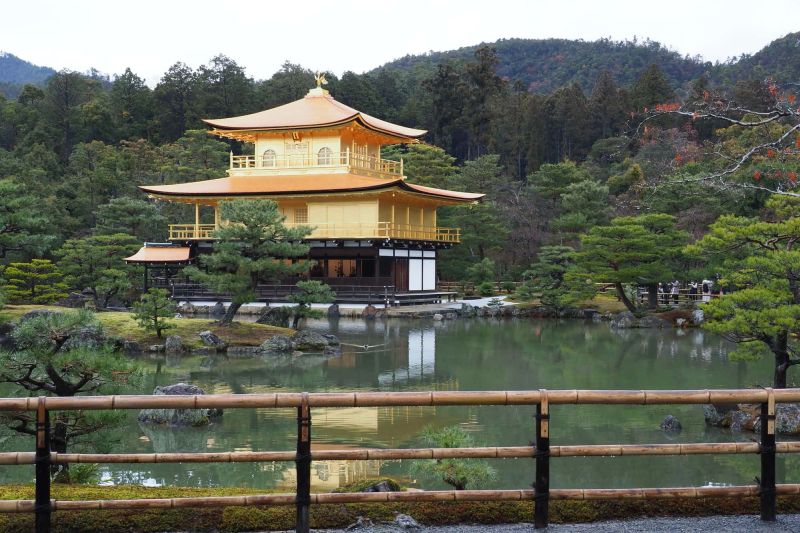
{"x":624,"y":297}
{"x":781,"y":351}
{"x":229,"y":314}
{"x":58,"y":444}
{"x":652,"y":296}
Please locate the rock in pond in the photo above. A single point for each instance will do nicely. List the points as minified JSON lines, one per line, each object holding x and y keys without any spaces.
{"x":671,"y":424}
{"x":306,"y":340}
{"x":179,"y":417}
{"x":406,"y":522}
{"x":333,"y":311}
{"x":698,"y":316}
{"x":370,"y":312}
{"x":277,"y":344}
{"x":274,"y":316}
{"x":746,"y":417}
{"x":623,"y":320}
{"x":652,"y":322}
{"x":173,"y":344}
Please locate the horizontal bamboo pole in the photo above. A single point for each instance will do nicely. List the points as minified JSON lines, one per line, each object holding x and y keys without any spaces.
{"x":377,"y":399}
{"x":366,"y":454}
{"x":21,"y":506}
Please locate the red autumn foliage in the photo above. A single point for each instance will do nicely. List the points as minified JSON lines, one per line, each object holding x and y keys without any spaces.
{"x":668,"y":107}
{"x":771,"y":153}
{"x":757,"y":175}
{"x":792,"y":98}
{"x":792,"y":176}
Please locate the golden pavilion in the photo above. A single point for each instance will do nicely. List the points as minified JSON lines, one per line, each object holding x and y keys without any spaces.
{"x":320,"y":161}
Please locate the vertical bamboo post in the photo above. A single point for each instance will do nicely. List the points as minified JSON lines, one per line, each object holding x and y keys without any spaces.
{"x":303,"y":465}
{"x":542,"y":484}
{"x":767,"y":451}
{"x":42,"y":503}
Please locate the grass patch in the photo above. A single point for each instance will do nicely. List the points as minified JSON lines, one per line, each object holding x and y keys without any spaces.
{"x":238,"y":519}
{"x":122,"y":324}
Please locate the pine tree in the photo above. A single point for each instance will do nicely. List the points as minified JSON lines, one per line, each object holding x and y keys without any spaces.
{"x":652,"y":88}
{"x":250,"y":249}
{"x":551,"y":280}
{"x":152,"y":309}
{"x":641,"y":250}
{"x":37,"y":282}
{"x":307,"y":293}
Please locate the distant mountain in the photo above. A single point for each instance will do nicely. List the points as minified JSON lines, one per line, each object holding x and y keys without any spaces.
{"x":779,"y":60}
{"x":544,"y":65}
{"x":16,"y":72}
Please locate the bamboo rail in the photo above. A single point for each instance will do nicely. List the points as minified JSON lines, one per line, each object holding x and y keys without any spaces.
{"x":541,"y":452}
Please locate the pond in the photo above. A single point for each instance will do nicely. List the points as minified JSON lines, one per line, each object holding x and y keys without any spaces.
{"x":478,"y":354}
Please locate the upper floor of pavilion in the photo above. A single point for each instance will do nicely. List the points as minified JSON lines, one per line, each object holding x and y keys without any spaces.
{"x":313,"y":135}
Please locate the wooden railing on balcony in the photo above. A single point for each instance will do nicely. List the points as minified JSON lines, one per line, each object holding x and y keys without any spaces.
{"x":539,"y":450}
{"x":349,"y":159}
{"x":366,"y":230}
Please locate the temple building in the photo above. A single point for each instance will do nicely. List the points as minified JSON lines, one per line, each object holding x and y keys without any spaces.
{"x":374,"y":235}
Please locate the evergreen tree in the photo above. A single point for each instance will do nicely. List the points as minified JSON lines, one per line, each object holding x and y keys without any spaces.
{"x":176,"y":96}
{"x":37,"y":282}
{"x":608,"y":106}
{"x":458,"y":473}
{"x":62,"y":354}
{"x":290,"y":83}
{"x":307,"y":293}
{"x":760,"y":264}
{"x":651,"y":88}
{"x":96,"y":263}
{"x":137,"y":217}
{"x":642,"y":250}
{"x":553,"y":280}
{"x":131,"y":106}
{"x":23,"y":224}
{"x":223,"y":88}
{"x":423,"y":164}
{"x":583,"y":205}
{"x":152,"y":310}
{"x":251,"y":248}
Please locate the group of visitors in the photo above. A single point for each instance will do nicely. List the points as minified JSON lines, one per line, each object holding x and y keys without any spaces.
{"x":694,"y":291}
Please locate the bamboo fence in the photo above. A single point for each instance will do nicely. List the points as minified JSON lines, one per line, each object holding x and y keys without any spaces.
{"x":43,"y":506}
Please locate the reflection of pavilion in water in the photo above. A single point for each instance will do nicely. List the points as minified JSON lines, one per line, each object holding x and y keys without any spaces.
{"x":420,"y":364}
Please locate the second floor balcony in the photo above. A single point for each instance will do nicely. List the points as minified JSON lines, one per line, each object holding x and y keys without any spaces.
{"x":325,"y":162}
{"x":379,"y":230}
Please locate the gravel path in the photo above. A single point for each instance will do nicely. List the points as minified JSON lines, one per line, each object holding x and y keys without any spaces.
{"x":728,"y":524}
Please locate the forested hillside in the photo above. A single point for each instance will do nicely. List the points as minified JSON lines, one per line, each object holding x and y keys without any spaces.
{"x":554,"y":162}
{"x":16,"y":72}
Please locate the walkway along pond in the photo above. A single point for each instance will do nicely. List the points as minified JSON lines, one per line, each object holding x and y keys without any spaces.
{"x":303,"y":456}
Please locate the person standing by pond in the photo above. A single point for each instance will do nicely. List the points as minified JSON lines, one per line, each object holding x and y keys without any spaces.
{"x":676,"y":291}
{"x":707,"y":284}
{"x":693,"y":291}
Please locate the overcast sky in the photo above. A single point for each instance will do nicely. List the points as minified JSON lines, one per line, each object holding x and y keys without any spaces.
{"x":337,"y":35}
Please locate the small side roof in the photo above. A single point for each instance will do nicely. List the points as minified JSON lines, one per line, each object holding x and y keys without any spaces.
{"x":298,"y":185}
{"x":160,"y":254}
{"x":315,"y":110}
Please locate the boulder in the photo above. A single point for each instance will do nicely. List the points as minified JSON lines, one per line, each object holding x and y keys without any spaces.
{"x":178,"y":417}
{"x":277,"y":344}
{"x":186,"y":308}
{"x":274,"y":316}
{"x":403,"y":521}
{"x":623,"y":320}
{"x":369,"y":312}
{"x":210,"y":339}
{"x":438,"y":317}
{"x":652,"y":322}
{"x":747,"y":417}
{"x":131,"y":348}
{"x":242,"y":351}
{"x":671,"y":424}
{"x":173,"y":344}
{"x":590,"y":313}
{"x":698,"y":316}
{"x":381,"y":486}
{"x":75,"y":300}
{"x":90,"y":337}
{"x":680,"y":322}
{"x":361,"y":523}
{"x":218,"y":311}
{"x":156,"y":348}
{"x":310,"y":341}
{"x":333,"y":311}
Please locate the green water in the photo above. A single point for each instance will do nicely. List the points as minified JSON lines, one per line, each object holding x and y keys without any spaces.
{"x":456,"y":355}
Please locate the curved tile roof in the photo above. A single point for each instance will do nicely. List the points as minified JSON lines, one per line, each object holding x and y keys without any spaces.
{"x":300,"y":184}
{"x":313,"y":111}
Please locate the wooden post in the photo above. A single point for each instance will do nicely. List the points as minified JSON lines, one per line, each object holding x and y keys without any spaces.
{"x":766,"y":487}
{"x":541,"y":487}
{"x":303,"y":465}
{"x":42,"y":503}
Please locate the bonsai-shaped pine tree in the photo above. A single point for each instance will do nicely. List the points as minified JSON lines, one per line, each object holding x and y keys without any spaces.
{"x":251,"y":248}
{"x":65,"y":354}
{"x":554,"y":281}
{"x":458,"y":473}
{"x":37,"y":282}
{"x":309,"y":292}
{"x":759,"y":260}
{"x":152,"y":310}
{"x":643,"y":250}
